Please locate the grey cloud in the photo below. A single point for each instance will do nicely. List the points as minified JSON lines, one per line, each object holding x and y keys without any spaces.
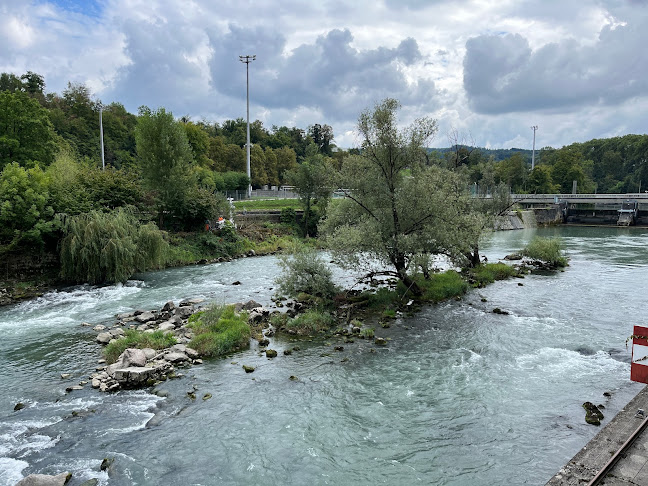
{"x":328,"y":75}
{"x":502,"y":74}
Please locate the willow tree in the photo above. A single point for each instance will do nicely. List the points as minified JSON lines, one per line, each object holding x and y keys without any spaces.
{"x":109,"y":247}
{"x":398,"y":209}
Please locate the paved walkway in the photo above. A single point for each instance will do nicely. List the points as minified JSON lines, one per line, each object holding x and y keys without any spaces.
{"x":632,"y":468}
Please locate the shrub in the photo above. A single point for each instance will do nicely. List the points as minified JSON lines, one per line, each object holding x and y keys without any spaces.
{"x":438,"y":287}
{"x":367,"y":333}
{"x":305,"y":272}
{"x":109,"y":247}
{"x":488,"y":273}
{"x":310,"y":322}
{"x":548,"y":250}
{"x":137,"y":339}
{"x":219,"y":330}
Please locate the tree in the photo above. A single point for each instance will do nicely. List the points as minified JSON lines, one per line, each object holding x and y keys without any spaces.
{"x":26,"y":134}
{"x":26,"y":218}
{"x":312,"y":181}
{"x":322,"y":136}
{"x":10,"y":82}
{"x":165,"y":157}
{"x":397,"y":208}
{"x":540,"y":180}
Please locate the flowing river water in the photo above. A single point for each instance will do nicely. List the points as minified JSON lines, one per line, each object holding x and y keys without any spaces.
{"x":460,"y":396}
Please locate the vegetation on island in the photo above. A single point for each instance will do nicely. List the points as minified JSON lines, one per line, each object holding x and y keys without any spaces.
{"x":137,"y":339}
{"x":219,"y":330}
{"x":547,"y":250}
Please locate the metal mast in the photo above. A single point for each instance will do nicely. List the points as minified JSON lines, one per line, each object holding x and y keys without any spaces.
{"x":247,"y":60}
{"x":103,"y":162}
{"x":534,"y":128}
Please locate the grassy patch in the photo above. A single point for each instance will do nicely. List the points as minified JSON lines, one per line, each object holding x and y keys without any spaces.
{"x":255,"y":204}
{"x":137,"y":339}
{"x":367,"y":333}
{"x":192,"y":247}
{"x":310,"y":322}
{"x":548,"y":250}
{"x":219,"y":330}
{"x":488,"y":273}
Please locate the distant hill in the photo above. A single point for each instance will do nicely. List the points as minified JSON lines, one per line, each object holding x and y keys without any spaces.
{"x":497,"y":154}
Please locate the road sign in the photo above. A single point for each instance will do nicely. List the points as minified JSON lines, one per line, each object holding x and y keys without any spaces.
{"x":639,"y":364}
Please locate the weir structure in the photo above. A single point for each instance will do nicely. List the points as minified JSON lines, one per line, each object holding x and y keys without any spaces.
{"x":612,"y":209}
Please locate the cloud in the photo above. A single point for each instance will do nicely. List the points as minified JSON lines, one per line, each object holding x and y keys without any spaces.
{"x":502,"y":74}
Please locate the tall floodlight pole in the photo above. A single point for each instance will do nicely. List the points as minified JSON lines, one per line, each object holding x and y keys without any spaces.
{"x":534,"y":128}
{"x":247,"y":60}
{"x":103,"y":162}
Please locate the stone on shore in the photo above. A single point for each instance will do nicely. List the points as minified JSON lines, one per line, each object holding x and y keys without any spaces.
{"x":169,"y":306}
{"x":176,"y":357}
{"x":145,"y":317}
{"x":104,"y":337}
{"x":45,"y":480}
{"x":271,"y":353}
{"x":138,"y":376}
{"x":593,"y":415}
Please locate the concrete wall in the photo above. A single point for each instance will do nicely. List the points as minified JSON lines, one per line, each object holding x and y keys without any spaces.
{"x":516,"y":220}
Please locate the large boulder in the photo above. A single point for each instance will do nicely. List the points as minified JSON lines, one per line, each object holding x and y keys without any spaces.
{"x":184,"y":312}
{"x":135,"y":377}
{"x":169,"y":306}
{"x":176,"y":357}
{"x":250,"y":304}
{"x":145,"y":317}
{"x":45,"y":480}
{"x":104,"y":337}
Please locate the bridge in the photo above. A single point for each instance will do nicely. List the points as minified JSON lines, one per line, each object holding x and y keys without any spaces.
{"x":597,"y":199}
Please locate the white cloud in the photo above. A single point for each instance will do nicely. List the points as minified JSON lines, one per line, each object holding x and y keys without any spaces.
{"x":488,"y":68}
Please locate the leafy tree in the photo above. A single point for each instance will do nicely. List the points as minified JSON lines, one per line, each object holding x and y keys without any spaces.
{"x":512,"y":172}
{"x":286,"y":161}
{"x":26,"y":134}
{"x":540,"y":181}
{"x":165,"y":157}
{"x":109,"y":247}
{"x":10,"y":82}
{"x":25,"y":214}
{"x":312,"y":181}
{"x":33,"y":83}
{"x":305,"y":272}
{"x":322,"y":136}
{"x":396,"y":207}
{"x":257,"y":166}
{"x":199,"y":143}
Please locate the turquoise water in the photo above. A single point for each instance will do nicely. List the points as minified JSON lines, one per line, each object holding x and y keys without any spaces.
{"x":460,"y":396}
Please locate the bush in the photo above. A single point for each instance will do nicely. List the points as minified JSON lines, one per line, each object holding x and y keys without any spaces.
{"x":109,"y":247}
{"x":438,"y":287}
{"x":310,"y":322}
{"x":219,"y":330}
{"x":488,"y":273}
{"x":304,"y":272}
{"x":137,"y":339}
{"x":548,"y":250}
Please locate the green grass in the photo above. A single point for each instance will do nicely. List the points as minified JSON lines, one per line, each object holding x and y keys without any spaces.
{"x":137,"y":339}
{"x":310,"y":322}
{"x":548,"y":250}
{"x":442,"y":286}
{"x":489,"y":272}
{"x":219,"y":330}
{"x":255,"y":204}
{"x":367,"y":333}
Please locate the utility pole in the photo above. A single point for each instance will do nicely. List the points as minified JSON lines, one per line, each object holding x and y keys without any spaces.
{"x":247,"y":60}
{"x":103,"y":162}
{"x":534,"y":128}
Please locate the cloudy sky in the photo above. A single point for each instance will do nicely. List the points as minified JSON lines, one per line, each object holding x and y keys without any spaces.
{"x":487,"y":70}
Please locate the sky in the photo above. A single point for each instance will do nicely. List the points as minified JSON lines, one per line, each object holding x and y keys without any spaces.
{"x":486,"y":70}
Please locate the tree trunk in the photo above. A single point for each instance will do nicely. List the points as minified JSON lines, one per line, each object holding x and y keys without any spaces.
{"x":473,"y":258}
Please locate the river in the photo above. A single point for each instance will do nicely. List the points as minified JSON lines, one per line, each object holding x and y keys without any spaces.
{"x":460,"y":396}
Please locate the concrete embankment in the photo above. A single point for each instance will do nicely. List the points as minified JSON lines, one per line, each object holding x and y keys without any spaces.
{"x":529,"y":218}
{"x":632,"y":467}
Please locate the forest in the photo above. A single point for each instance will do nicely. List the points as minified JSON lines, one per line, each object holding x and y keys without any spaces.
{"x":173,"y":171}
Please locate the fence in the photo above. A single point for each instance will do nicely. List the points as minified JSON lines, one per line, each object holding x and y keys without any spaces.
{"x":278,"y":193}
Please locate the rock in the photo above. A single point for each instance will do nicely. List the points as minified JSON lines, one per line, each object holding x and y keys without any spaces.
{"x":167,"y":326}
{"x":135,"y":377}
{"x":255,"y":316}
{"x":73,"y":388}
{"x":250,"y":304}
{"x":104,"y":337}
{"x":236,"y":283}
{"x":45,"y":480}
{"x":192,"y":353}
{"x":65,"y":376}
{"x":131,"y":357}
{"x":484,"y":299}
{"x":184,"y":311}
{"x":248,"y":369}
{"x":271,"y":353}
{"x":145,"y":317}
{"x":380,"y":342}
{"x":197,"y":361}
{"x":293,"y":378}
{"x":513,"y":256}
{"x":520,"y":284}
{"x":86,"y":324}
{"x":192,"y":302}
{"x":117,"y":332}
{"x":355,"y":330}
{"x":175,"y":357}
{"x":339,"y":348}
{"x":287,"y":352}
{"x":169,"y":306}
{"x":106,"y":463}
{"x":150,"y":353}
{"x":178,"y":348}
{"x":143,"y":327}
{"x":593,"y":415}
{"x":497,"y":310}
{"x":607,"y":394}
{"x":207,"y":396}
{"x":251,"y":253}
{"x":98,"y":328}
{"x":19,"y":406}
{"x":264,"y":342}
{"x":96,"y":383}
{"x":125,"y":315}
{"x":90,"y":482}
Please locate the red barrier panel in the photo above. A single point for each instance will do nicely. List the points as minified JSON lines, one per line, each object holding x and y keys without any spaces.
{"x":639,"y":364}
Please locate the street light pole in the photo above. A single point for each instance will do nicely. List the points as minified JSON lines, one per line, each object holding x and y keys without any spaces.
{"x":103,"y":162}
{"x":247,"y":60}
{"x":534,"y":128}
